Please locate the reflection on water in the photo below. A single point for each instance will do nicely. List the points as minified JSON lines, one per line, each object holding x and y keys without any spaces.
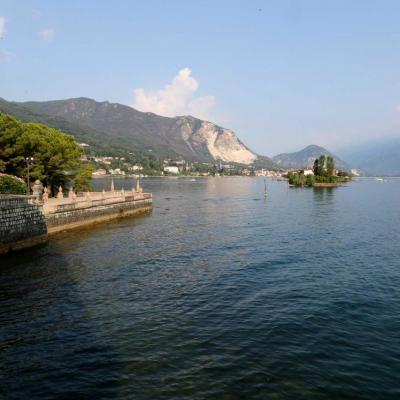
{"x":218,"y":294}
{"x":324,"y":195}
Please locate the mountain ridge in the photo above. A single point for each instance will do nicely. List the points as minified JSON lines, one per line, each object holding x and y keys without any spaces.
{"x":379,"y":157}
{"x":305,"y":158}
{"x":119,"y":125}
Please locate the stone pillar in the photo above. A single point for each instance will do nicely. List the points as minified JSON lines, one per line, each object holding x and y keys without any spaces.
{"x":138,"y":184}
{"x":37,"y":190}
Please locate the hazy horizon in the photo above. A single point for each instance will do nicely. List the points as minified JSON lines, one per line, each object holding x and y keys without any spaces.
{"x":282,"y":75}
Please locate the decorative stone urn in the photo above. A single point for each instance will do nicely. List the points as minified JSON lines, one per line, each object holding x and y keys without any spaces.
{"x":45,"y":194}
{"x":71,"y":194}
{"x":60,"y":193}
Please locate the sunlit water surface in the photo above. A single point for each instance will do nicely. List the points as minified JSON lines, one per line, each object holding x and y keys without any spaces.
{"x":217,"y":294}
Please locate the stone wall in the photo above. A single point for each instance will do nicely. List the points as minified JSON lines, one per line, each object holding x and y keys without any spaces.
{"x":81,"y":213}
{"x":26,"y":221}
{"x":22,"y":224}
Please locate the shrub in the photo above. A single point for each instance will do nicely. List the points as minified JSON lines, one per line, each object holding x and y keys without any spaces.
{"x":11,"y":185}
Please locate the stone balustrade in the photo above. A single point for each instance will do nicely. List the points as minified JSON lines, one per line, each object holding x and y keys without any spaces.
{"x":91,"y":199}
{"x":27,"y":220}
{"x":74,"y":201}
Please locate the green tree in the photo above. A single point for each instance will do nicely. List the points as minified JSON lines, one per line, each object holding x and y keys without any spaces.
{"x":56,"y":154}
{"x":310,"y":180}
{"x":300,"y":179}
{"x":83,"y":179}
{"x":10,"y":130}
{"x":321,"y":166}
{"x":330,"y":166}
{"x":316,"y":167}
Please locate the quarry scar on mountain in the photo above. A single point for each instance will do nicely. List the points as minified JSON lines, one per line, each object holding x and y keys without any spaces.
{"x":221,"y":143}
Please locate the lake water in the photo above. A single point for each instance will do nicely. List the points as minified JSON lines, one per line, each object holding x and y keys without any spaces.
{"x":217,"y":294}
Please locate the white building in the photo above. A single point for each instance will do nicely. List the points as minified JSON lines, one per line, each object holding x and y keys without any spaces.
{"x":136,"y":168}
{"x":308,"y":172}
{"x":100,"y":172}
{"x":267,"y":173}
{"x":171,"y":169}
{"x":117,"y":171}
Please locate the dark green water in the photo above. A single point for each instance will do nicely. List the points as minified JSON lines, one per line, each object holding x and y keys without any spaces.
{"x":218,"y":294}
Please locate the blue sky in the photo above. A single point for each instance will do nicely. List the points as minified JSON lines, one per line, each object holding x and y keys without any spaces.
{"x":281,"y":74}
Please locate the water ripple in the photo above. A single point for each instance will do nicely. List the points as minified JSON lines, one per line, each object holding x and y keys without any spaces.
{"x":218,"y":294}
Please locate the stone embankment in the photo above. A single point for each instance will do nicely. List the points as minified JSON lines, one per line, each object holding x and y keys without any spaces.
{"x":22,"y":223}
{"x":26,"y":221}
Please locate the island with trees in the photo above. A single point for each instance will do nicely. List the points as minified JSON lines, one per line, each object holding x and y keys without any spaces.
{"x":323,"y":174}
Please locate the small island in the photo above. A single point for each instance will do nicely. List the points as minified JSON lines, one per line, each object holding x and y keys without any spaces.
{"x":323,"y":174}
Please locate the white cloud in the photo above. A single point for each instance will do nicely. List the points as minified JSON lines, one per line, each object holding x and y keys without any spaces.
{"x":2,"y":26}
{"x":47,"y":35}
{"x":176,"y":98}
{"x":5,"y":55}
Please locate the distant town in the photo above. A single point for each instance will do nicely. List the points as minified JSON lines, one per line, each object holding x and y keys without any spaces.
{"x":127,"y":166}
{"x":123,"y":166}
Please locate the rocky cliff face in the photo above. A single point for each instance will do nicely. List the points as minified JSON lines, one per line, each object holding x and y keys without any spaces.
{"x":220,"y":143}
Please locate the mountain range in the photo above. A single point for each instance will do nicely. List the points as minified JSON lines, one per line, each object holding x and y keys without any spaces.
{"x":117,"y":126}
{"x":376,"y":158}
